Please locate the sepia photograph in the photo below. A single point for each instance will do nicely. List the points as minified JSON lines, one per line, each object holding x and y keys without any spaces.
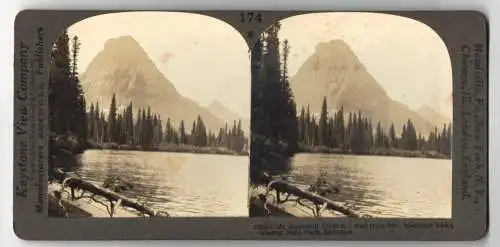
{"x":351,"y":117}
{"x":149,"y":117}
{"x":250,"y":125}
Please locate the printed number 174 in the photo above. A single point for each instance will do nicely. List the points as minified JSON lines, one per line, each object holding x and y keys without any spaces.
{"x":250,"y":17}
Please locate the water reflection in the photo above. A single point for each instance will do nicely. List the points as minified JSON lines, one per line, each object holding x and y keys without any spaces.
{"x":354,"y":185}
{"x":382,"y":186}
{"x":182,"y":184}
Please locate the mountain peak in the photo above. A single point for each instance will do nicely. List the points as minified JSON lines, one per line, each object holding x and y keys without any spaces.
{"x":335,"y":43}
{"x":124,"y":68}
{"x":124,"y":48}
{"x":122,"y":40}
{"x":335,"y":72}
{"x":336,"y":47}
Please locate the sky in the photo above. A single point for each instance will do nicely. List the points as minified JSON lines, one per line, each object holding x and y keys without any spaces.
{"x":206,"y":59}
{"x":406,"y":57}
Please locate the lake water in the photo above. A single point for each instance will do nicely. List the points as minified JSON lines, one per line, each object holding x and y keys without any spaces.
{"x":183,"y":184}
{"x":187,"y":184}
{"x":382,"y":186}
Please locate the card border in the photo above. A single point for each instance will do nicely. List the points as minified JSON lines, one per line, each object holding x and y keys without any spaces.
{"x":470,"y":219}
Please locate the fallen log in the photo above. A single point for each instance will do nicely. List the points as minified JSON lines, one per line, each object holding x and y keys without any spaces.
{"x":284,"y":187}
{"x":111,"y":196}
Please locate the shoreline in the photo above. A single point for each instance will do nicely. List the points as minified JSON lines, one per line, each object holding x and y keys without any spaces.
{"x":174,"y":148}
{"x":377,"y":152}
{"x":315,"y":150}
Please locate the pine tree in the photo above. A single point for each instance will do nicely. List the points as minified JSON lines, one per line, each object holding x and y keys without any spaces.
{"x":79,"y":115}
{"x":357,"y":132}
{"x":59,"y":109}
{"x":130,"y":124}
{"x":150,"y":127}
{"x":402,"y":141}
{"x":392,"y":136}
{"x":154,"y":130}
{"x":169,"y":132}
{"x":368,"y":135}
{"x":232,"y":136}
{"x":91,"y":122}
{"x":97,"y":134}
{"x":386,"y":142}
{"x":410,"y":139}
{"x":331,"y":137}
{"x":448,"y":141}
{"x":193,"y":133}
{"x":379,"y":136}
{"x":138,"y":128}
{"x":219,"y":137}
{"x":364,"y":137}
{"x":323,"y":125}
{"x":158,"y":131}
{"x":289,"y":107}
{"x":226,"y":136}
{"x":274,"y":118}
{"x":118,"y":129}
{"x":201,"y":133}
{"x":314,"y":131}
{"x":340,"y":128}
{"x":209,"y":138}
{"x":112,"y":127}
{"x":75,"y":51}
{"x":182,"y":133}
{"x":354,"y":134}
{"x":308,"y":128}
{"x":302,"y":125}
{"x":444,"y":140}
{"x":349,"y":132}
{"x":144,"y":126}
{"x":67,"y":106}
{"x":104,"y":128}
{"x":420,"y":142}
{"x":240,"y":138}
{"x":286,"y":53}
{"x":259,"y":126}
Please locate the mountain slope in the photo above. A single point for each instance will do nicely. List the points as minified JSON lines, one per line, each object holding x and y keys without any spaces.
{"x":221,"y":112}
{"x":433,"y":116}
{"x":125,"y":69}
{"x":335,"y":71}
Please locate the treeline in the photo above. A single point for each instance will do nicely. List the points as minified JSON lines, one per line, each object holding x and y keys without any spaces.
{"x":359,"y":135}
{"x":146,"y":131}
{"x":274,"y":114}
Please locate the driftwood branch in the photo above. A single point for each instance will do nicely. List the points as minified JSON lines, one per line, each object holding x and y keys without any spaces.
{"x":281,"y":186}
{"x":77,"y":183}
